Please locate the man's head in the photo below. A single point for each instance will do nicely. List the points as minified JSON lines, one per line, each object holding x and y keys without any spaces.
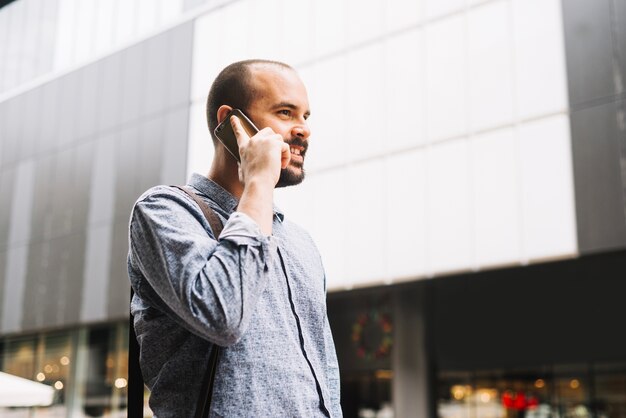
{"x":272,"y":95}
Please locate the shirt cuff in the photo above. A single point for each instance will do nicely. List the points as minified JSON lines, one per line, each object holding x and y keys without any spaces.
{"x":244,"y":230}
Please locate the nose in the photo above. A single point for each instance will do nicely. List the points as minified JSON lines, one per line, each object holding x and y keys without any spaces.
{"x":301,"y":130}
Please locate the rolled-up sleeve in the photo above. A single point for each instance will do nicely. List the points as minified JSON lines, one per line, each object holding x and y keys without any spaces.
{"x":211,"y":286}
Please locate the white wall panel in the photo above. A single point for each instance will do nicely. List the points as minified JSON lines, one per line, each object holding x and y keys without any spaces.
{"x":364,"y":20}
{"x":366,"y":223}
{"x":206,"y":49}
{"x":448,"y":213}
{"x":104,"y":26}
{"x":365,"y":121}
{"x":331,"y":211}
{"x":404,"y":101}
{"x":85,"y":20}
{"x":547,"y":188}
{"x":236,"y":46}
{"x":496,"y":198}
{"x":146,"y":16}
{"x":438,"y":8}
{"x":330,"y":28}
{"x":297,"y":32}
{"x":200,"y":146}
{"x":66,"y":34}
{"x":29,"y":43}
{"x":406,"y":215}
{"x":16,"y":15}
{"x":328,"y":142}
{"x":541,"y":84}
{"x":490,"y":66}
{"x":403,"y":13}
{"x":126,"y":25}
{"x":265,"y":39}
{"x":446,"y":78}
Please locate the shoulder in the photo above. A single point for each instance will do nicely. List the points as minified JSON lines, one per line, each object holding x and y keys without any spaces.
{"x":165,"y":202}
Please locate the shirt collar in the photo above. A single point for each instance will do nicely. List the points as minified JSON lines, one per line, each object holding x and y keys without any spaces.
{"x":219,"y":195}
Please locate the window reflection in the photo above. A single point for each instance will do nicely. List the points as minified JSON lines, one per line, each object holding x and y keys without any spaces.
{"x":87,"y":367}
{"x":563,"y":391}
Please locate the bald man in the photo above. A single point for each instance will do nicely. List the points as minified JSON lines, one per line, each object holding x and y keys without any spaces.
{"x":259,"y":290}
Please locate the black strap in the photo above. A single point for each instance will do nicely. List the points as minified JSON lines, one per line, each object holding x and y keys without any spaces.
{"x":135,"y":378}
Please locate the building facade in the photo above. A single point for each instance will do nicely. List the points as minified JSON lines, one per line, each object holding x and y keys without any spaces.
{"x":466,"y":186}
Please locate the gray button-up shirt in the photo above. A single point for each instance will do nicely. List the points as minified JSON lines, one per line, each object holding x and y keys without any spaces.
{"x":262,"y":298}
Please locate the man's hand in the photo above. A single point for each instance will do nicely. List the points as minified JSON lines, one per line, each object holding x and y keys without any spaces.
{"x":262,"y":158}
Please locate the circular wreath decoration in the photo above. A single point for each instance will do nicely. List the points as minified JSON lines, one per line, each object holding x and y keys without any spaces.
{"x":372,"y":320}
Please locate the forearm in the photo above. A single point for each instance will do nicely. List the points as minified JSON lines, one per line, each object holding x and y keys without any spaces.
{"x":257,"y":202}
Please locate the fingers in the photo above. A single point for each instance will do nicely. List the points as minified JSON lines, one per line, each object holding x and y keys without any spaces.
{"x":285,"y":155}
{"x":240,"y":132}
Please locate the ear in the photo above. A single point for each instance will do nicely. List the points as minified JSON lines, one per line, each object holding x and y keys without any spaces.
{"x":222,"y":111}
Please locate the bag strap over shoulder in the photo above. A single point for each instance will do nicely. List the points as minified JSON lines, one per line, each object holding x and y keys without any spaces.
{"x":135,"y":378}
{"x":209,"y":214}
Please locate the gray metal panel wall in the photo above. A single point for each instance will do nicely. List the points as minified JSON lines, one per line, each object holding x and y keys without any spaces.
{"x":104,"y":134}
{"x":595,"y":42}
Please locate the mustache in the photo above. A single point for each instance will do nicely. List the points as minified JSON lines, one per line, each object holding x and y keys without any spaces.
{"x":297,"y":141}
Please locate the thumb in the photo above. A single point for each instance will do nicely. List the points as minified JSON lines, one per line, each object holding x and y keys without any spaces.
{"x":240,"y":132}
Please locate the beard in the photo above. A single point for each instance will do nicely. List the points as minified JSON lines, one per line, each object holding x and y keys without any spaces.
{"x":291,"y":176}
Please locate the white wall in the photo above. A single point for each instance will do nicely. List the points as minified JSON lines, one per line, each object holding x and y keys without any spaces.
{"x":440,"y":129}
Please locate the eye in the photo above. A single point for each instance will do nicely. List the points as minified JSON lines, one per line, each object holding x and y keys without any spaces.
{"x":284,"y":112}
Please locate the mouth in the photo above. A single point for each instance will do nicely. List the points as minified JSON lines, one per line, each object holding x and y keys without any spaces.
{"x":298,"y":148}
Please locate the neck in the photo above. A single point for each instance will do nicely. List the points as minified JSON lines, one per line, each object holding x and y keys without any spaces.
{"x":224,"y":171}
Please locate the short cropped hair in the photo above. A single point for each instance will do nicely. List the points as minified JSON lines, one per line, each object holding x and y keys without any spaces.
{"x":233,"y":87}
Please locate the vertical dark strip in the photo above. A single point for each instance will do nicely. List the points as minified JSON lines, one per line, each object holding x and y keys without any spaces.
{"x":594,"y":38}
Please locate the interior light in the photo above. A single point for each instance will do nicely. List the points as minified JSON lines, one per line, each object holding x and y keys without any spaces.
{"x":41,"y":377}
{"x":539,"y":383}
{"x":47,"y":368}
{"x":65,"y":360}
{"x":458,"y":392}
{"x":384,"y":374}
{"x":120,"y":383}
{"x":58,"y":385}
{"x":574,"y":384}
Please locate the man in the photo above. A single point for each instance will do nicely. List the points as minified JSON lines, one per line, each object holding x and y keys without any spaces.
{"x":258,"y":291}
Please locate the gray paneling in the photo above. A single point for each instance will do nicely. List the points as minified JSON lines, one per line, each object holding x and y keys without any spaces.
{"x":31,"y":129}
{"x":181,"y":57}
{"x":88,"y":104}
{"x":598,"y":185}
{"x":133,"y":81}
{"x":3,"y":266}
{"x":7,"y":185}
{"x":70,"y":280}
{"x":3,"y":127}
{"x":14,"y":287}
{"x":12,"y":126}
{"x":81,"y":183}
{"x":118,"y":286}
{"x":96,"y":273}
{"x":44,"y":191}
{"x":110,"y":92}
{"x":174,"y":162}
{"x":150,"y":154}
{"x":60,"y":199}
{"x":67,"y":108}
{"x":619,"y":37}
{"x":22,"y":202}
{"x":49,"y":120}
{"x":158,"y":67}
{"x":587,"y":26}
{"x":126,"y":171}
{"x":102,"y":192}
